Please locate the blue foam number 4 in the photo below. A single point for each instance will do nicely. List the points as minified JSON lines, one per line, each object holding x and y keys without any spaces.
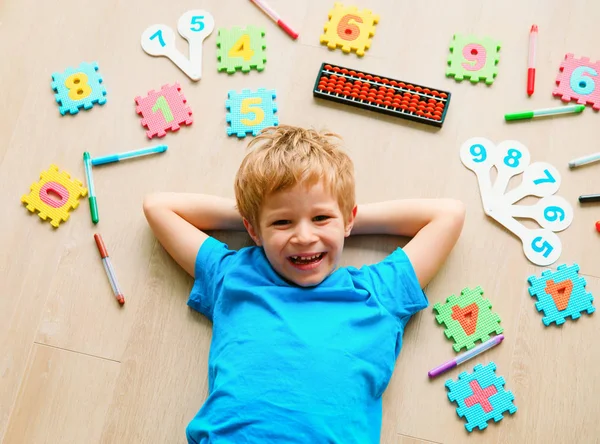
{"x":197,"y":20}
{"x":540,"y":249}
{"x":548,"y":178}
{"x":160,"y":37}
{"x":478,"y":150}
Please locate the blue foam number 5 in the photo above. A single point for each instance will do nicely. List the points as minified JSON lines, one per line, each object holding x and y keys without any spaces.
{"x":548,"y":178}
{"x":160,"y":37}
{"x":545,"y":248}
{"x":581,"y":84}
{"x":478,"y":150}
{"x":197,"y":20}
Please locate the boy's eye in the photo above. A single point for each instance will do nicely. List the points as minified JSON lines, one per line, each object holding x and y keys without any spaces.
{"x":282,"y":222}
{"x":320,"y":218}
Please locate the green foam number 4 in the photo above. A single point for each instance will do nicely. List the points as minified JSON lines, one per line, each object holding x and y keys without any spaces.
{"x":468,"y":318}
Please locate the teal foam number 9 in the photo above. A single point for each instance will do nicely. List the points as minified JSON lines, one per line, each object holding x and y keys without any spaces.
{"x":197,"y":20}
{"x":581,"y":84}
{"x":478,"y":150}
{"x":545,"y":248}
{"x":160,"y":37}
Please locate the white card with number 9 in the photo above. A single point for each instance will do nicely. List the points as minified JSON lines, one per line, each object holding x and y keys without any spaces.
{"x":479,"y":155}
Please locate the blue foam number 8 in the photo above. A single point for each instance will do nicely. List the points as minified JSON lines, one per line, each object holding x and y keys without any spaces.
{"x":478,"y":150}
{"x":581,"y":84}
{"x":197,"y":20}
{"x":545,"y":248}
{"x":512,"y":159}
{"x":552,"y":213}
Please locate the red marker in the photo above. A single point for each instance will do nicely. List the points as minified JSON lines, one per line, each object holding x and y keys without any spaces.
{"x":531,"y":65}
{"x":110,"y":272}
{"x":275,"y":17}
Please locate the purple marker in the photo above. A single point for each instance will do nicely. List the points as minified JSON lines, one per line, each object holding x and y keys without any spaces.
{"x":466,"y":356}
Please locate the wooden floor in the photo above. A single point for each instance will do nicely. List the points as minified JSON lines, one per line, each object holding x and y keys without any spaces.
{"x":77,"y":368}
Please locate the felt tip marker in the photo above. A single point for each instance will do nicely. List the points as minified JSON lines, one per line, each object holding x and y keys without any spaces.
{"x":90,"y":183}
{"x":466,"y":356}
{"x":524,"y":115}
{"x":110,"y":271}
{"x":531,"y":64}
{"x":275,"y":17}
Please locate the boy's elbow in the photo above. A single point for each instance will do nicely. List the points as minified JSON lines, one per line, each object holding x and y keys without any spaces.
{"x":151,"y":203}
{"x":457,"y":211}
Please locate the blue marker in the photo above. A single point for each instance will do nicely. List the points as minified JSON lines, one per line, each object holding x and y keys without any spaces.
{"x":129,"y":154}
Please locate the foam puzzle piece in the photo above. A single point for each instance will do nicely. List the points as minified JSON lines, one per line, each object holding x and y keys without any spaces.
{"x":77,"y":88}
{"x":473,"y":58}
{"x":60,"y":184}
{"x":578,"y":80}
{"x":241,"y":48}
{"x":349,"y":29}
{"x":561,"y":294}
{"x":468,"y":318}
{"x":480,"y":396}
{"x":251,"y":111}
{"x":164,"y":110}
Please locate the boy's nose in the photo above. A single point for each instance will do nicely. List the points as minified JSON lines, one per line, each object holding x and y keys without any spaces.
{"x":304,"y":234}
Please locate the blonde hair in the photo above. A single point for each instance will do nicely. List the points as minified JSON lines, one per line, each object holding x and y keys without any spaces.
{"x":282,"y":157}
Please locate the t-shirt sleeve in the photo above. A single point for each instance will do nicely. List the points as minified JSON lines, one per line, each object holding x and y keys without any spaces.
{"x":396,"y":286}
{"x":212,"y":261}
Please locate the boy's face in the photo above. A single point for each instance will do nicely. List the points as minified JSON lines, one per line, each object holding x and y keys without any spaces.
{"x":302,"y":231}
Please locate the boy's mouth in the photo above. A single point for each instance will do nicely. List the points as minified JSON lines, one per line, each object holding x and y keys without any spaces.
{"x":306,"y":259}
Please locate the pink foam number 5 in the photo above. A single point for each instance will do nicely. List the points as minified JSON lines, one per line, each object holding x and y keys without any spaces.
{"x":474,"y":52}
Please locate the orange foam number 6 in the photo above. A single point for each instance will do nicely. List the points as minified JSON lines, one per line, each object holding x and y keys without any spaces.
{"x":259,"y":114}
{"x":474,"y":53}
{"x":348,"y":31}
{"x":242,"y":48}
{"x":78,"y":86}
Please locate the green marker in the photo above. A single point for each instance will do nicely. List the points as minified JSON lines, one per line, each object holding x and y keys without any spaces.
{"x":544,"y":112}
{"x":90,"y":183}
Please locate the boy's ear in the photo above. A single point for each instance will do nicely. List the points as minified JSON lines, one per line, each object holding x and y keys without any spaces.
{"x":252,"y":232}
{"x":350,"y":223}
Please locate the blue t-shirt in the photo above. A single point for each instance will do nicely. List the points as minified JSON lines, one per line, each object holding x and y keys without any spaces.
{"x":289,"y":364}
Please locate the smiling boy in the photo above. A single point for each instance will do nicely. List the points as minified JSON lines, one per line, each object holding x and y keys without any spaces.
{"x":302,"y":349}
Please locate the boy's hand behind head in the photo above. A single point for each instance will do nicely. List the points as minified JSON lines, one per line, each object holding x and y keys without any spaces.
{"x":295,"y":192}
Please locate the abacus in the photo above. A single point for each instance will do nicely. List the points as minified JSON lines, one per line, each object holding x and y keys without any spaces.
{"x":381,"y":94}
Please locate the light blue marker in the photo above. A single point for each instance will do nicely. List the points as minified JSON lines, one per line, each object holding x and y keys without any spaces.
{"x":129,"y":154}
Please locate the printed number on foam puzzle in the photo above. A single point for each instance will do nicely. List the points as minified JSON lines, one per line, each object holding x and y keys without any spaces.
{"x":54,"y":196}
{"x":553,"y":213}
{"x":242,"y":49}
{"x":579,"y":79}
{"x":349,"y":29}
{"x":77,"y":88}
{"x":164,"y":110}
{"x":473,"y":58}
{"x":251,"y":111}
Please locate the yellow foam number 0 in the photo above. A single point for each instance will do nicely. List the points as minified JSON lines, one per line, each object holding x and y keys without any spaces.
{"x":242,"y":48}
{"x":78,"y":86}
{"x":259,"y":114}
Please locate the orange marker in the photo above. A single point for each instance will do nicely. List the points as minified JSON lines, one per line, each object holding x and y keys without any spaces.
{"x":110,"y":272}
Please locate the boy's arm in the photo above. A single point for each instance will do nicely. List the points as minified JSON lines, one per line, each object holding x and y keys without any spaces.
{"x":179,"y":220}
{"x":433,"y":224}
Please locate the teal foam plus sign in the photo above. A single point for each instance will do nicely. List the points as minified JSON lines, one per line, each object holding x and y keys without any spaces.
{"x":242,"y":49}
{"x":561,"y":294}
{"x":78,"y":88}
{"x":468,"y":318}
{"x":251,"y":111}
{"x":473,"y":58}
{"x":480,"y":396}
